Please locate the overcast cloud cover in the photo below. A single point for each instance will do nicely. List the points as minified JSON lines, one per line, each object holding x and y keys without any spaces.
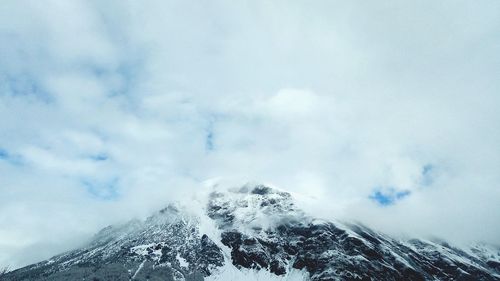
{"x":385,"y":111}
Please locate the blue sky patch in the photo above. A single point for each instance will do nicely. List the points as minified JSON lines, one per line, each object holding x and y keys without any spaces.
{"x":104,"y":190}
{"x":209,"y":137}
{"x":9,"y":157}
{"x":428,"y":174}
{"x":3,"y":154}
{"x":99,"y":157}
{"x":25,"y":85}
{"x":388,"y":196}
{"x":209,"y":141}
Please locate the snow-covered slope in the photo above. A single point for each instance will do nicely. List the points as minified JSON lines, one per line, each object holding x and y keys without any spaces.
{"x":167,"y":246}
{"x":256,"y":232}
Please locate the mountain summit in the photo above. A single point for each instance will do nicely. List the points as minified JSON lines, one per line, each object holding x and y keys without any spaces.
{"x":256,"y":232}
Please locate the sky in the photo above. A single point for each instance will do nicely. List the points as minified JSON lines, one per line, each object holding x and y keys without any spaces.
{"x":383,"y":112}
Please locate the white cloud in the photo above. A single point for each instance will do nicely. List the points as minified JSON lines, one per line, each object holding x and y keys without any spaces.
{"x":333,"y":100}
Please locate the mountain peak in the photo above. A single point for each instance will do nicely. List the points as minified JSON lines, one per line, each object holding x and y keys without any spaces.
{"x":253,"y":208}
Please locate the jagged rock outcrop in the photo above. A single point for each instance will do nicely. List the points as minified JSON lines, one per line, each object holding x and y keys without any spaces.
{"x":281,"y":237}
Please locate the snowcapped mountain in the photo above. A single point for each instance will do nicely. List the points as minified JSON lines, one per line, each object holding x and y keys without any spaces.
{"x":258,"y":233}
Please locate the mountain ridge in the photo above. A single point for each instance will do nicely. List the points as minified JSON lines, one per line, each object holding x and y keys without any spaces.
{"x":256,"y":229}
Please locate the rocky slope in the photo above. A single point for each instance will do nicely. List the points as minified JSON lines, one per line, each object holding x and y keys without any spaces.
{"x":258,"y":231}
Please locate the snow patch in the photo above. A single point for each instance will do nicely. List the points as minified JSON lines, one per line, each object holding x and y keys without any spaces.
{"x":231,"y":273}
{"x":138,"y":269}
{"x":182,"y":261}
{"x":141,"y":250}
